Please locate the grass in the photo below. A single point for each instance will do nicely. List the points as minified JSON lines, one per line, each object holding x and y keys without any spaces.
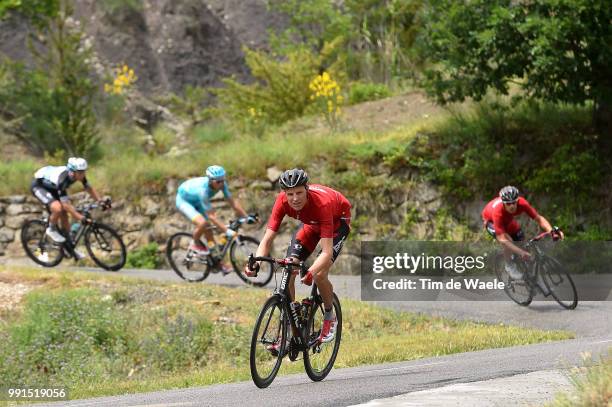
{"x":592,"y":385}
{"x":111,"y":335}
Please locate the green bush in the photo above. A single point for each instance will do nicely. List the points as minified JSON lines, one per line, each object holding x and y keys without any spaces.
{"x":54,"y":100}
{"x":281,"y":90}
{"x":538,"y":147}
{"x":66,"y":337}
{"x":16,"y":175}
{"x":145,"y":257}
{"x":177,"y":342}
{"x":363,"y":92}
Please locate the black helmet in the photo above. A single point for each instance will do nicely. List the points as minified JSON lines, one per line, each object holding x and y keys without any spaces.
{"x":509,"y":194}
{"x":293,"y":178}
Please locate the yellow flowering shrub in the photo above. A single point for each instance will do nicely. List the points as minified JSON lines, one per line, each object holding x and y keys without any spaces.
{"x":124,"y":78}
{"x":326,"y":93}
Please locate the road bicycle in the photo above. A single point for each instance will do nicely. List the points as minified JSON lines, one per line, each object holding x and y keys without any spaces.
{"x":289,"y":329}
{"x":544,"y":274}
{"x":193,"y":267}
{"x":103,"y":243}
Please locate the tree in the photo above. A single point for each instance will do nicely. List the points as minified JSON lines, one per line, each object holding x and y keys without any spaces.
{"x":54,"y":101}
{"x":554,"y":50}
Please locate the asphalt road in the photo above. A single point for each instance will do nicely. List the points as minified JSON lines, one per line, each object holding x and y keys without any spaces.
{"x":591,"y":321}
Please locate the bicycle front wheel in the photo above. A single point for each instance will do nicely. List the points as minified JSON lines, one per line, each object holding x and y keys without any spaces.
{"x":105,"y":246}
{"x":187,"y":265}
{"x":240,"y":249}
{"x":38,"y":246}
{"x":559,"y":282}
{"x":268,"y":342}
{"x":519,"y":291}
{"x":320,"y":357}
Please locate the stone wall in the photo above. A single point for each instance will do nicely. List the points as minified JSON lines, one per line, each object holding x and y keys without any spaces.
{"x":153,"y":218}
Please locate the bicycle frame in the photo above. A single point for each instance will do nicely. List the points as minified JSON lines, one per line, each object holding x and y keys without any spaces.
{"x":533,"y":269}
{"x":235,"y":225}
{"x":70,"y":243}
{"x":297,"y":324}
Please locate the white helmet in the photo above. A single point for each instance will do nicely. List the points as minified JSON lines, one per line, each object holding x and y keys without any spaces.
{"x":76,"y":164}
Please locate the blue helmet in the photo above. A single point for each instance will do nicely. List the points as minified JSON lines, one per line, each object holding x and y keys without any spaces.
{"x":215,"y":173}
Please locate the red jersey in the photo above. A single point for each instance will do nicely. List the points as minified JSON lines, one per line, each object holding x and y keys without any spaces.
{"x":502,"y":219}
{"x":322,"y":212}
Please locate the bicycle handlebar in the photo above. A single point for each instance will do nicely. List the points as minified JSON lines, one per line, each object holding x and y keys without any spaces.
{"x":235,"y":224}
{"x":281,"y":262}
{"x":105,"y":205}
{"x":553,"y":232}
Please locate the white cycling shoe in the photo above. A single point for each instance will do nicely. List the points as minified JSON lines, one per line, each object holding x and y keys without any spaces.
{"x":513,"y":270}
{"x":54,"y":234}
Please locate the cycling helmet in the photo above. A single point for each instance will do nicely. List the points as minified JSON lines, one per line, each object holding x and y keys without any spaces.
{"x":76,"y":164}
{"x":293,"y":178}
{"x":509,"y":194}
{"x":215,"y":173}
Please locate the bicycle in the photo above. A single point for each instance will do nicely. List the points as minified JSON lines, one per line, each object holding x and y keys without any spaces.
{"x":193,"y":267}
{"x":544,"y":274}
{"x":103,"y":243}
{"x":305,"y":320}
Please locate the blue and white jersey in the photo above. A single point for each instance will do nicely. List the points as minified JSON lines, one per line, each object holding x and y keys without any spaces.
{"x":198,"y":192}
{"x":56,"y":179}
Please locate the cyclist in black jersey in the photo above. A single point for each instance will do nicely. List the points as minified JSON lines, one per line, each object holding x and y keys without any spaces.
{"x":50,"y":186}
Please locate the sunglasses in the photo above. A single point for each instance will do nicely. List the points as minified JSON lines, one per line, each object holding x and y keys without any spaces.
{"x":218,"y":181}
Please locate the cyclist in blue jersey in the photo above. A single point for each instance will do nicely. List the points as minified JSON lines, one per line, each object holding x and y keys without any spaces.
{"x":49,"y":187}
{"x":193,"y":200}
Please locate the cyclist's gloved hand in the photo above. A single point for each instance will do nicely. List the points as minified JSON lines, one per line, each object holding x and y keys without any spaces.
{"x":85,"y":220}
{"x":556,"y":233}
{"x":526,"y":256}
{"x":230,"y":233}
{"x":307,"y":279}
{"x":251,"y":219}
{"x":251,"y":272}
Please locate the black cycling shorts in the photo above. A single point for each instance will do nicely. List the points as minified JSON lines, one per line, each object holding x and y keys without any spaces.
{"x":517,"y":237}
{"x":304,"y":238}
{"x":44,"y":195}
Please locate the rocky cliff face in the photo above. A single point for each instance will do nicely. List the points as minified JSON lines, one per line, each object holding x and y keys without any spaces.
{"x":169,"y":43}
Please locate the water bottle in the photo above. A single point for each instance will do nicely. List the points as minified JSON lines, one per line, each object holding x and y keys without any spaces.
{"x":222,"y":240}
{"x":74,"y":229}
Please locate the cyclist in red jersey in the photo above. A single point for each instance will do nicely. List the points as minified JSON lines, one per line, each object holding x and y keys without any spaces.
{"x":498,"y":219}
{"x":325,"y":217}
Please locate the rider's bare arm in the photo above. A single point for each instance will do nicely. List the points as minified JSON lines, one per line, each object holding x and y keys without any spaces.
{"x":544,"y":223}
{"x":506,"y":241}
{"x":67,"y":206}
{"x":216,"y":222}
{"x":93,"y":193}
{"x":237,"y":207}
{"x":324,"y":260}
{"x":266,"y":243}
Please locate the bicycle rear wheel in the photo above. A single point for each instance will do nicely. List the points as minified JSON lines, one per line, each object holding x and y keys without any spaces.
{"x":559,"y":282}
{"x":186,"y":265}
{"x":319,"y":359}
{"x":519,"y":291}
{"x":239,"y":256}
{"x":105,"y":246}
{"x":268,"y":343}
{"x":38,"y":246}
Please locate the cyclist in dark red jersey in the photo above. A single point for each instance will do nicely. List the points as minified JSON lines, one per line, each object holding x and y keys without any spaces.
{"x":498,"y":219}
{"x":325,"y":217}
